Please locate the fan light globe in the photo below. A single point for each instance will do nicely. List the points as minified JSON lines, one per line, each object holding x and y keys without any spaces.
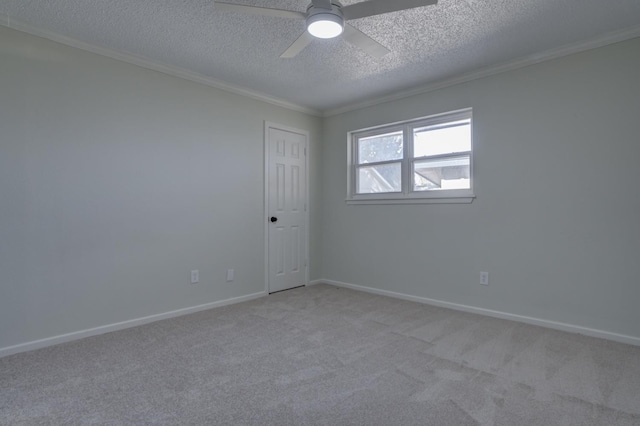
{"x":325,"y":25}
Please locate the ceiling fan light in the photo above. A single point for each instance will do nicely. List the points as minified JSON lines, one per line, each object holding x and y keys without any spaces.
{"x":325,"y":25}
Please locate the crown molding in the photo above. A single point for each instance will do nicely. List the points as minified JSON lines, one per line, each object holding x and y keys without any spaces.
{"x":566,"y":50}
{"x":7,"y":21}
{"x":559,"y":52}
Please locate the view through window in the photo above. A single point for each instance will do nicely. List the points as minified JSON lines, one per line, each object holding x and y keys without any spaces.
{"x":426,"y":158}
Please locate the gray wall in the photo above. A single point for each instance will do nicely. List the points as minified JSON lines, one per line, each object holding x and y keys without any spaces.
{"x":556,"y":218}
{"x":115,"y":181}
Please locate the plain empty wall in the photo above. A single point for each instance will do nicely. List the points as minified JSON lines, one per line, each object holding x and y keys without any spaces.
{"x":116,"y":181}
{"x":556,"y":221}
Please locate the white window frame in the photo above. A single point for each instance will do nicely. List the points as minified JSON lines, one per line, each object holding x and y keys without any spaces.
{"x":407,"y":195}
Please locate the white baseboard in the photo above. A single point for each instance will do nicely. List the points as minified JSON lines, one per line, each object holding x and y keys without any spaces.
{"x":622,"y":338}
{"x":55,"y":340}
{"x":50,"y":341}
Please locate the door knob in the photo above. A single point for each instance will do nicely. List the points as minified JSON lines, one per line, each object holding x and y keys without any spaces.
{"x":273,"y":219}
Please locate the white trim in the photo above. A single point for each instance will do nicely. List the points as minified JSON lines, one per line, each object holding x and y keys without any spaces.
{"x":559,"y":52}
{"x":315,"y":282}
{"x":68,"y":337}
{"x":307,"y":153}
{"x":407,"y":195}
{"x":150,"y":64}
{"x":622,"y":338}
{"x":414,"y":200}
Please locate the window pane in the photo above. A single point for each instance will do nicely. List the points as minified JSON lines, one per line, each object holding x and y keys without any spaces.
{"x":380,"y":148}
{"x":382,"y":178}
{"x":444,"y":138}
{"x":446,"y":173}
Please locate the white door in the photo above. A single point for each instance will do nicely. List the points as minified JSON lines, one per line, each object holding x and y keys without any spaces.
{"x":286,"y":200}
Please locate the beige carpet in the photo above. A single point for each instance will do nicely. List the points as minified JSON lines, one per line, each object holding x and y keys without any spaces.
{"x":326,"y":356}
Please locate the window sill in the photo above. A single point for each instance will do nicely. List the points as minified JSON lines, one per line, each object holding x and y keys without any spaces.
{"x":412,"y":200}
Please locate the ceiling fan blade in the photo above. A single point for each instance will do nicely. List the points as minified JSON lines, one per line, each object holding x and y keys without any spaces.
{"x":264,"y":11}
{"x":364,"y":42}
{"x":378,"y":7}
{"x":297,"y":45}
{"x":322,"y":4}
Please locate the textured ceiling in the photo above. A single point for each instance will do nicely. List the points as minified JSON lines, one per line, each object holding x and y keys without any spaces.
{"x":427,"y":44}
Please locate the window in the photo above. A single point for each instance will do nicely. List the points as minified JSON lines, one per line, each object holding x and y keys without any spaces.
{"x":418,"y":161}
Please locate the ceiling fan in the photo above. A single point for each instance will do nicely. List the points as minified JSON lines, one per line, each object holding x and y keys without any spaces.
{"x":326,"y":19}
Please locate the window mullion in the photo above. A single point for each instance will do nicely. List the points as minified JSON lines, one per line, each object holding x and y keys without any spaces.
{"x":408,"y":179}
{"x":379,"y":163}
{"x":442,"y":156}
{"x":353,"y":164}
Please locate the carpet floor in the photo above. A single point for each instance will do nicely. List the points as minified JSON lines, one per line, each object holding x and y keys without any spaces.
{"x":323,"y":355}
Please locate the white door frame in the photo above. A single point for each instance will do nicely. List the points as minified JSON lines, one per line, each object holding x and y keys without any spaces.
{"x":271,"y":125}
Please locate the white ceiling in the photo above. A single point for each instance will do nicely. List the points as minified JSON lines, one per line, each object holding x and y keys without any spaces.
{"x":428,"y":44}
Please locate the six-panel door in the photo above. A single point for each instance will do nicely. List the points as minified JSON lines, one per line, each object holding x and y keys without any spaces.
{"x":286,"y":202}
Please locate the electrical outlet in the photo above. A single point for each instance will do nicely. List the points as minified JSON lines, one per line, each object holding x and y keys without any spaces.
{"x":195,"y":276}
{"x":230,"y":274}
{"x":484,"y":278}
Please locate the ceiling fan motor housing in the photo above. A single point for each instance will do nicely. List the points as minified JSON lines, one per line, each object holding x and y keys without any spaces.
{"x":332,"y":21}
